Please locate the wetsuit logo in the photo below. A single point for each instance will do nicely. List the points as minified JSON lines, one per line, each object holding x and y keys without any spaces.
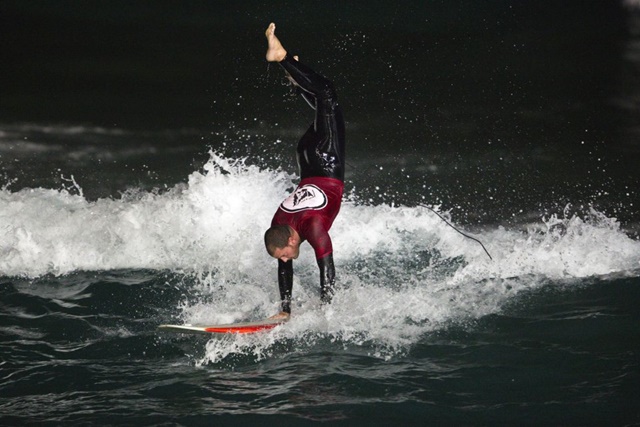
{"x":305,"y":198}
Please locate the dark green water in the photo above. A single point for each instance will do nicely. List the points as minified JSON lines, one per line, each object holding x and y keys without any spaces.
{"x":561,"y":355}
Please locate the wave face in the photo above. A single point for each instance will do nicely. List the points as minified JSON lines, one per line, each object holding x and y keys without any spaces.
{"x":403,"y":271}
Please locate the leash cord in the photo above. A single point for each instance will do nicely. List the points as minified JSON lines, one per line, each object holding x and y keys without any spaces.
{"x":464,"y":234}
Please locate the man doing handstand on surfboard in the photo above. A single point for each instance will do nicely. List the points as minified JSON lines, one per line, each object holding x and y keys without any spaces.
{"x":308,"y":213}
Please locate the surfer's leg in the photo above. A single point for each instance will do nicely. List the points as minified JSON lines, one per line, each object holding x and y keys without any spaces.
{"x":319,"y":87}
{"x":328,"y":127}
{"x":308,"y":80}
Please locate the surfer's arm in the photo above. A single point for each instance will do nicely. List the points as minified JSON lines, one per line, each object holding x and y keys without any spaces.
{"x":327,"y":278}
{"x":320,"y":240}
{"x":285,"y":283}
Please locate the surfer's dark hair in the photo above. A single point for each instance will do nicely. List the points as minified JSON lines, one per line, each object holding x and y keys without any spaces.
{"x":277,"y":237}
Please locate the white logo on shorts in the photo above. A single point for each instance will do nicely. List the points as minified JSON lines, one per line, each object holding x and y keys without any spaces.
{"x":304,"y":198}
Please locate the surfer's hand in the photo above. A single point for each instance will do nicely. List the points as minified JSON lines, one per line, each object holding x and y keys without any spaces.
{"x":281,"y":316}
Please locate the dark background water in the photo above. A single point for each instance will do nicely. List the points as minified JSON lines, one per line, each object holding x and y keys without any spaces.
{"x":536,"y":100}
{"x":195,"y":63}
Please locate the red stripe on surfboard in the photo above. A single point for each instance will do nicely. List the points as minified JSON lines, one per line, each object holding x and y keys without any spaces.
{"x":241,"y":329}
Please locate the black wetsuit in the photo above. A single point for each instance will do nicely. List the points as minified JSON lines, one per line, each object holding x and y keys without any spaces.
{"x":320,"y":154}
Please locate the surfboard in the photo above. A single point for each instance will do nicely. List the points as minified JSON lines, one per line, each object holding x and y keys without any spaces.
{"x":229,"y":328}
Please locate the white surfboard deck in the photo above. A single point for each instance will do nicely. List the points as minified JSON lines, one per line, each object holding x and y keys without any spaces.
{"x":229,"y":328}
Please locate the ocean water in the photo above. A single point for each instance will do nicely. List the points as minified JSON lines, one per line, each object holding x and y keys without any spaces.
{"x":487,"y":248}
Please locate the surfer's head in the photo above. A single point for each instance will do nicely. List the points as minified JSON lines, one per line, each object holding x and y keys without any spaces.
{"x":282,"y":242}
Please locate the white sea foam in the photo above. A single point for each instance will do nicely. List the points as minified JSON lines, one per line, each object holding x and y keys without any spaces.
{"x":209,"y":223}
{"x":403,"y":272}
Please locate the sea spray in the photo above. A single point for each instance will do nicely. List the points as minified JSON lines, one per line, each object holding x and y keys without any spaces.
{"x":402,"y":271}
{"x":191,"y":227}
{"x":403,"y":274}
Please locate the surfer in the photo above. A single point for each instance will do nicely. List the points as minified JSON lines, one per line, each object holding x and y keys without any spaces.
{"x":308,"y":213}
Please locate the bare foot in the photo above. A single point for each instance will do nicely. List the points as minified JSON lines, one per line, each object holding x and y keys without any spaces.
{"x":280,"y":316}
{"x":275,"y":50}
